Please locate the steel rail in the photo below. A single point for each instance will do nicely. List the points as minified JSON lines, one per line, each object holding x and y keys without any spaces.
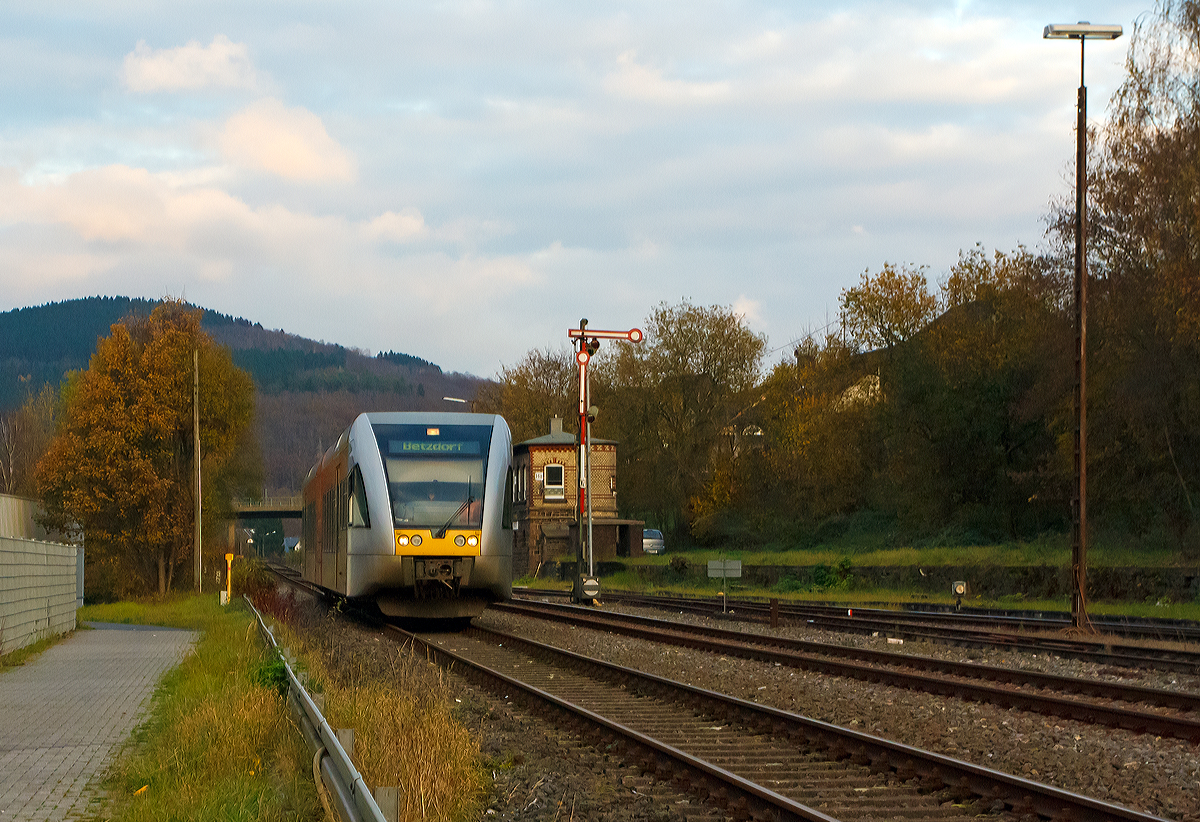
{"x":1133,"y":627}
{"x":869,"y":620}
{"x":758,"y":801}
{"x":1005,"y":623}
{"x":808,"y":656}
{"x":1100,"y":689}
{"x":934,"y":770}
{"x":1173,"y":630}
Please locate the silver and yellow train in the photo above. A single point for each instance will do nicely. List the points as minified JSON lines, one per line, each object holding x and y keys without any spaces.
{"x":413,"y":510}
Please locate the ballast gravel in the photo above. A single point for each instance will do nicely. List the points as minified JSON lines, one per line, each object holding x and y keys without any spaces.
{"x":537,"y":772}
{"x":1149,"y":774}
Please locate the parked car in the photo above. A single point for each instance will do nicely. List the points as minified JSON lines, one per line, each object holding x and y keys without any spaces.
{"x":652,"y":541}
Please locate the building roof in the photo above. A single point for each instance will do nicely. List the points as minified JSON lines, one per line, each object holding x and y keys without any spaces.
{"x":559,"y":437}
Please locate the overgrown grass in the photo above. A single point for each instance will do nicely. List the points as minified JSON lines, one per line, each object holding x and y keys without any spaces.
{"x":1047,"y":551}
{"x":196,"y":613}
{"x":401,"y":709}
{"x":219,"y":743}
{"x":19,"y":656}
{"x":882,"y":597}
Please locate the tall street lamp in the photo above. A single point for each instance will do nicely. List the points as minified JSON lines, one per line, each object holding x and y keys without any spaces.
{"x":1082,"y":32}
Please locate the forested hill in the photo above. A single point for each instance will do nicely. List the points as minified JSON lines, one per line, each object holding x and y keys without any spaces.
{"x":307,"y":390}
{"x":40,"y":344}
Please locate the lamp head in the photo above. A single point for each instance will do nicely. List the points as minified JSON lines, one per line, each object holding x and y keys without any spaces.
{"x":1082,"y":30}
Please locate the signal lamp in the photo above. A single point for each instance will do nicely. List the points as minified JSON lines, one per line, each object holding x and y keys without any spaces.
{"x":403,"y":540}
{"x":472,"y":541}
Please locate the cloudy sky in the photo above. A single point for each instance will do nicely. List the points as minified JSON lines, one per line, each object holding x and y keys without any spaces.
{"x":463,"y":180}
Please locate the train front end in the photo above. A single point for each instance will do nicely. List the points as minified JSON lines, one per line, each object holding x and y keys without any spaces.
{"x":443,"y":545}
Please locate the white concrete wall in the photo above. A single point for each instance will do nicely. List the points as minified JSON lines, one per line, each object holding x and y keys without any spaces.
{"x":40,"y":586}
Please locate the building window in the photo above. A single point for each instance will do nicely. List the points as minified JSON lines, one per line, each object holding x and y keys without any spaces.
{"x":552,"y":484}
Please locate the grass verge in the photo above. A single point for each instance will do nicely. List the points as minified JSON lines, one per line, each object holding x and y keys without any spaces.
{"x":401,"y":709}
{"x":218,"y":743}
{"x":881,"y":597}
{"x":18,"y":657}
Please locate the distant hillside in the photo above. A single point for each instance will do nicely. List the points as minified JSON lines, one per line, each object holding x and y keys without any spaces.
{"x":38,"y":345}
{"x":308,"y":390}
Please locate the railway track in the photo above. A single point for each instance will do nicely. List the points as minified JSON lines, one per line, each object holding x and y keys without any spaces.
{"x":942,"y":628}
{"x":1115,"y":705}
{"x":753,"y":761}
{"x":808,"y":763}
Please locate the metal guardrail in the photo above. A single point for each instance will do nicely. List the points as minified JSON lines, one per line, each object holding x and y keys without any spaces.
{"x":346,"y":787}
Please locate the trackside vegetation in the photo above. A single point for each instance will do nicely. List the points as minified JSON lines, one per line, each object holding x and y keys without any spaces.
{"x":218,"y":743}
{"x":18,"y":657}
{"x":400,"y":707}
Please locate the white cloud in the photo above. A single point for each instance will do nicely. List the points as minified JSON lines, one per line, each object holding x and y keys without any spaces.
{"x":760,"y":155}
{"x":638,"y":82}
{"x":748,"y":309}
{"x":398,"y":227}
{"x":289,"y":142}
{"x":221,"y":64}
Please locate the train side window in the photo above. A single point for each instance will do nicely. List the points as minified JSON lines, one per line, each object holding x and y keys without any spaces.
{"x":509,"y":491}
{"x":360,"y":516}
{"x":552,"y":482}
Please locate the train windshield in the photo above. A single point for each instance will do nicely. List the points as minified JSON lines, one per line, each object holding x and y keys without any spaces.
{"x":435,"y":473}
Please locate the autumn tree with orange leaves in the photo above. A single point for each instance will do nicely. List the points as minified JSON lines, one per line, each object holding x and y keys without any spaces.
{"x":120,"y":469}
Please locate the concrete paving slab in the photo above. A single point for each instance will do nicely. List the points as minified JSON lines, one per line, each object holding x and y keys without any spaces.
{"x":64,"y":715}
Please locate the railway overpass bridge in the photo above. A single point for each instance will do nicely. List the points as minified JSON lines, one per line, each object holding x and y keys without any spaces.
{"x":288,"y":507}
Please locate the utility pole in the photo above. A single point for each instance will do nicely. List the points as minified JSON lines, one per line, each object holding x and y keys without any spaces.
{"x":586,"y":342}
{"x":196,"y":459}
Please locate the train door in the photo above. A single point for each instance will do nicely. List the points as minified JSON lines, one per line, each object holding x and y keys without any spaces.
{"x":310,"y":541}
{"x":343,"y":516}
{"x":329,"y":534}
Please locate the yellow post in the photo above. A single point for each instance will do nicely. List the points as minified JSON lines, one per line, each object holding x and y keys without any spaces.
{"x":228,"y":577}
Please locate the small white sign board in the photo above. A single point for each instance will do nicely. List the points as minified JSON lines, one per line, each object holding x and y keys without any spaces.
{"x":724,"y":569}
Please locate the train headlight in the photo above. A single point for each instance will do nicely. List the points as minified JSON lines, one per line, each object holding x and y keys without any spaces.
{"x":460,"y":540}
{"x":416,"y":540}
{"x":402,"y":540}
{"x":472,"y":540}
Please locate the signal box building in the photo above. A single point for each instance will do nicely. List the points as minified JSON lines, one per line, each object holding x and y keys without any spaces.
{"x":546,"y":514}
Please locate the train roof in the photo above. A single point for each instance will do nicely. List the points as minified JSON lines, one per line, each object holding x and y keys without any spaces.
{"x":401,"y":418}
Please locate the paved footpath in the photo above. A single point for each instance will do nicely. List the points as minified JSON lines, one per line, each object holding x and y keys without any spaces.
{"x":63,"y":715}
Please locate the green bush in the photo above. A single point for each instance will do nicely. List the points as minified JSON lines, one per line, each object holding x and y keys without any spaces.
{"x":790,"y":584}
{"x":251,"y":579}
{"x":271,"y":673}
{"x":838,"y":577}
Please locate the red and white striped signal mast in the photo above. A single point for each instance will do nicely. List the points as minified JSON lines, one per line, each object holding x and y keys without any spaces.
{"x":586,"y":342}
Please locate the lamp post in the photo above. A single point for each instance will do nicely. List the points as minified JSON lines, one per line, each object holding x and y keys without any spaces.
{"x":1082,"y":32}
